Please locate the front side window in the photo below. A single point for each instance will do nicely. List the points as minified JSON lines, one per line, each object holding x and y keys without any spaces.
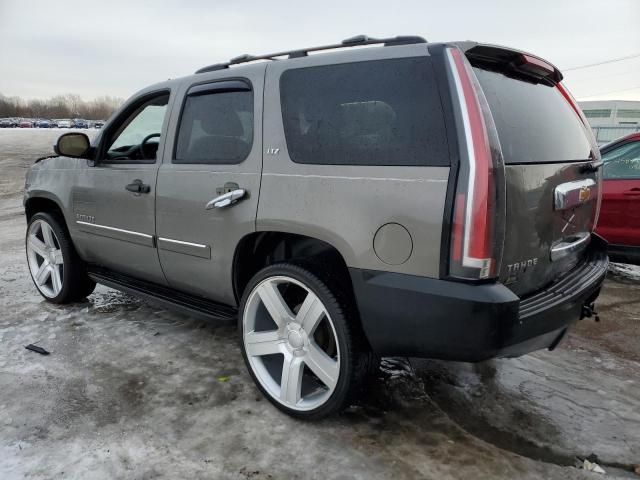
{"x":381,"y":112}
{"x":622,"y":162}
{"x":216,"y":128}
{"x":138,"y":136}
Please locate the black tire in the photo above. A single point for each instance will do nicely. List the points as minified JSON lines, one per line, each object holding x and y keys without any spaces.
{"x":76,"y":284}
{"x":355,"y":357}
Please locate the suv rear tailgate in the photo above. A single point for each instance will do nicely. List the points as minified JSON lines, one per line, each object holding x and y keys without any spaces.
{"x":552,"y":194}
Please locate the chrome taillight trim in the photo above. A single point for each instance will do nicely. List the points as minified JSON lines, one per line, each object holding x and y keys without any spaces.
{"x":483,"y":264}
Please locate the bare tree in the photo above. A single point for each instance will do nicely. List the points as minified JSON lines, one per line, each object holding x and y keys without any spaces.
{"x":60,"y":106}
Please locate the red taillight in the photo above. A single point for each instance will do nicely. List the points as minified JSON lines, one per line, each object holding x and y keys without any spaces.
{"x":572,"y":101}
{"x":472,"y":241}
{"x":536,"y":65}
{"x":457,"y":232}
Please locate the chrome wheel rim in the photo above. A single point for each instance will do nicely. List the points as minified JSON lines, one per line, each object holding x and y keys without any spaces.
{"x":44,"y":256}
{"x":291,"y":343}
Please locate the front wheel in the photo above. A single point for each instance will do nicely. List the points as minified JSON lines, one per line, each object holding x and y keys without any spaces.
{"x":57,"y":271}
{"x":299,"y":343}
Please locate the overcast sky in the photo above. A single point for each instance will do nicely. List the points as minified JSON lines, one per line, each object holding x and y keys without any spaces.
{"x":94,"y":47}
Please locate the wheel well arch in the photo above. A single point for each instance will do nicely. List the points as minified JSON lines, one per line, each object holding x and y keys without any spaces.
{"x":261,"y":249}
{"x":35,"y":205}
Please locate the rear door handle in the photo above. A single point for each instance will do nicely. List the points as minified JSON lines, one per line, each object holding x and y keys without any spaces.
{"x":226,"y":199}
{"x":138,"y":187}
{"x":633,"y":191}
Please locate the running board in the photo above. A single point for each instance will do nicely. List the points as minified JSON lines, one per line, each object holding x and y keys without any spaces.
{"x":166,"y":297}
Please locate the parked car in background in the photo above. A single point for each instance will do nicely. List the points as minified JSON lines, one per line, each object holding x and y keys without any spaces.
{"x":25,"y":123}
{"x":98,"y":124}
{"x":64,"y":123}
{"x":79,"y":123}
{"x":7,"y":123}
{"x":42,"y":123}
{"x":619,"y":221}
{"x":53,"y":123}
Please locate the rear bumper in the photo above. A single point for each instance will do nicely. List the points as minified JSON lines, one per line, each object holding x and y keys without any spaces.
{"x":423,"y":317}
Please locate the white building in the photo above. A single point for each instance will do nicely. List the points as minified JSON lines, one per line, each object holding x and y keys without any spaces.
{"x":612,"y":113}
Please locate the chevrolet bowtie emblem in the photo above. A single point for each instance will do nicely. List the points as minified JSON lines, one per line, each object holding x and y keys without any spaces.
{"x":585,"y":194}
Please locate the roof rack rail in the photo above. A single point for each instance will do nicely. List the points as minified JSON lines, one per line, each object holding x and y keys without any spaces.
{"x":349,"y":42}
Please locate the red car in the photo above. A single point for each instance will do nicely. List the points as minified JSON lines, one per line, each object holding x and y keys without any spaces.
{"x":25,"y":124}
{"x":619,"y":221}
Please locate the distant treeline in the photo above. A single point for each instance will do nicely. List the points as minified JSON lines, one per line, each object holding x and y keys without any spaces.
{"x":60,"y":106}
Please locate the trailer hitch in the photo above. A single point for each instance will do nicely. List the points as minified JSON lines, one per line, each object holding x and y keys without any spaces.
{"x":589,"y":310}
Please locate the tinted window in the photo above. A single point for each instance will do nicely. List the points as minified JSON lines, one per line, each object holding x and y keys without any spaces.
{"x":383,"y":112}
{"x":534,"y":121}
{"x":622,"y":162}
{"x":216,"y":127}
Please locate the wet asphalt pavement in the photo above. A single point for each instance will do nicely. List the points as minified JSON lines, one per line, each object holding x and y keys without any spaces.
{"x":131,"y":390}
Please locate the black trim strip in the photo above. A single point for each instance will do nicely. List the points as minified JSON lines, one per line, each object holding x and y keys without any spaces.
{"x":624,"y":254}
{"x":239,"y":85}
{"x":167,"y":297}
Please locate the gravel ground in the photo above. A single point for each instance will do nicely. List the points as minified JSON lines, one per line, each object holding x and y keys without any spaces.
{"x":134,"y":391}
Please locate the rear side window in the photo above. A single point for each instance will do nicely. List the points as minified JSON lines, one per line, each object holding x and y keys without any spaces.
{"x":535,"y":122}
{"x":382,"y":112}
{"x":215,"y":128}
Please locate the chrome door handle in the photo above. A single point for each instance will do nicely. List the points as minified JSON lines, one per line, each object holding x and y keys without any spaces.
{"x":226,"y":199}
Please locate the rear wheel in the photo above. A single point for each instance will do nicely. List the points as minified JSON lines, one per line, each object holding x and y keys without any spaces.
{"x":298,"y":342}
{"x":57,"y":271}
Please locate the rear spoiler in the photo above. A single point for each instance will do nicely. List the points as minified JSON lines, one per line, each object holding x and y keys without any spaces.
{"x":510,"y":62}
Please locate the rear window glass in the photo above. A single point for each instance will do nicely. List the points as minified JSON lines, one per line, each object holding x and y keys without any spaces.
{"x":534,"y":121}
{"x":382,"y":112}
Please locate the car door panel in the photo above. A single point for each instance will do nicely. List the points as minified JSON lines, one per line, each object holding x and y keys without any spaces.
{"x":615,"y":220}
{"x":619,"y":220}
{"x":196,"y":245}
{"x":117,"y":223}
{"x":634,"y":213}
{"x":120,"y":225}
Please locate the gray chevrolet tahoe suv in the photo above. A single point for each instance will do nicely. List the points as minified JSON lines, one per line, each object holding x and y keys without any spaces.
{"x":417,"y":199}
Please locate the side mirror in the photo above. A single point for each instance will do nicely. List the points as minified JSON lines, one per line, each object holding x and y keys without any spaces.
{"x":73,"y":144}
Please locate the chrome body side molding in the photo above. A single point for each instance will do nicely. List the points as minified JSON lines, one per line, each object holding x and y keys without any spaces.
{"x":117,"y":233}
{"x":186,"y":248}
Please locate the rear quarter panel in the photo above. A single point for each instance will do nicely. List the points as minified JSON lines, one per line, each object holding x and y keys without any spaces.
{"x":346,"y":205}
